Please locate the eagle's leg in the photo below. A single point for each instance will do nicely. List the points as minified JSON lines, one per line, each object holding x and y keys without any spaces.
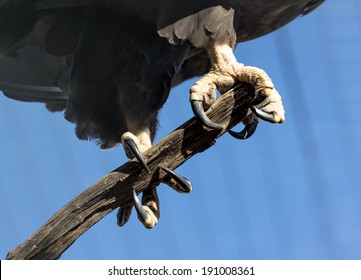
{"x":148,"y":208}
{"x":225,"y":73}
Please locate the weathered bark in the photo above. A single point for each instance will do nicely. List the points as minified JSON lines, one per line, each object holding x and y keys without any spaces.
{"x":115,"y":189}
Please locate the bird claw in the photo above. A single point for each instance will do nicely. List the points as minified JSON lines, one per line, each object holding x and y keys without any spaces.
{"x":148,"y":210}
{"x":133,"y":148}
{"x":250,"y":128}
{"x":247,"y":132}
{"x":263,"y":115}
{"x":197,"y":107}
{"x":183,"y":185}
{"x":123,"y":214}
{"x":142,"y":214}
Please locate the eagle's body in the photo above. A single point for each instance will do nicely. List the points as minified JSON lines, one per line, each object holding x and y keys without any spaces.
{"x":125,"y":55}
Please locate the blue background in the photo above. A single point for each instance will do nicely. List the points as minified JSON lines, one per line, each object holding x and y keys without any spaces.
{"x":292,"y":191}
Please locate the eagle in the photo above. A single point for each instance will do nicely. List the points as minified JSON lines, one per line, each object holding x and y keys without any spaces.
{"x":110,"y":66}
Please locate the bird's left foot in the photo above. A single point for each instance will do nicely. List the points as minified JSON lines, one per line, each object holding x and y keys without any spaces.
{"x":148,"y":209}
{"x":226,"y":73}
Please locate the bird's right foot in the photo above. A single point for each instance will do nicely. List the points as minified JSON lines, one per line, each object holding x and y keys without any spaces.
{"x":226,"y":73}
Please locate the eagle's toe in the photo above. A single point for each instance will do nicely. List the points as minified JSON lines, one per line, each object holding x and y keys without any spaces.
{"x":272,"y":109}
{"x":176,"y":181}
{"x":148,"y":209}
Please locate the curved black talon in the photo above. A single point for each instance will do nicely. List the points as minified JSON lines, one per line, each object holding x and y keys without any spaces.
{"x":132,"y":147}
{"x":262,"y":115}
{"x":247,"y":132}
{"x":198,"y":111}
{"x":142,"y":214}
{"x":123,"y":214}
{"x":184,"y":185}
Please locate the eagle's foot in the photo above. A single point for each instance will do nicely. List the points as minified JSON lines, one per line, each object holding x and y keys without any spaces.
{"x":148,"y":213}
{"x":226,"y":73}
{"x":148,"y":209}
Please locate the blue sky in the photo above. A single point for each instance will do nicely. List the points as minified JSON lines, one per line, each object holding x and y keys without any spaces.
{"x":292,"y":191}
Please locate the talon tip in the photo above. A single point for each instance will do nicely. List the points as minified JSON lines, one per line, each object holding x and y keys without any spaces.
{"x":121,"y":217}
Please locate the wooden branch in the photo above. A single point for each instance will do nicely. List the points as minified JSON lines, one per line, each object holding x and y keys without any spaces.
{"x":115,"y":189}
